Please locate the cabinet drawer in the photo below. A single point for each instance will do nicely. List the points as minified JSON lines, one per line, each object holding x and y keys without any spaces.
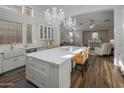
{"x":43,"y":68}
{"x":9,"y":64}
{"x":12,"y":63}
{"x":20,"y":61}
{"x":38,"y":79}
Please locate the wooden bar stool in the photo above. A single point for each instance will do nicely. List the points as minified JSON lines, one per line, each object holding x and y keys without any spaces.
{"x":87,"y":56}
{"x":79,"y":60}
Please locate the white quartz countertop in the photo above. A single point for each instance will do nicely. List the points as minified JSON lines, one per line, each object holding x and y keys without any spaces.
{"x":13,"y":52}
{"x":56,"y":55}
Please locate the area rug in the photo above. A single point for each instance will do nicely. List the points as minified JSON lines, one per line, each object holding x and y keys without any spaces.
{"x":23,"y":84}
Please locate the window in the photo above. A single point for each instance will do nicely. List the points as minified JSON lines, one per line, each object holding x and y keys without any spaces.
{"x":10,"y":32}
{"x":29,"y":33}
{"x":28,"y":11}
{"x":71,"y":36}
{"x":16,"y":8}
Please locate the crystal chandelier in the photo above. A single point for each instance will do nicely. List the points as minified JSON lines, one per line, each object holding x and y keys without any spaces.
{"x":92,"y":24}
{"x":69,"y":23}
{"x":56,"y":19}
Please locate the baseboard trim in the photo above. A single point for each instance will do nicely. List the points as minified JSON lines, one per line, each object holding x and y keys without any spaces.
{"x":120,"y":67}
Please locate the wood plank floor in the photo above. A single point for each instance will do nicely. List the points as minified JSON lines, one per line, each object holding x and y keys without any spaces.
{"x":101,"y":74}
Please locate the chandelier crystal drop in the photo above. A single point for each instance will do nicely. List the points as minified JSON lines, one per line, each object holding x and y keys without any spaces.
{"x":56,"y":18}
{"x":69,"y":23}
{"x":92,"y":24}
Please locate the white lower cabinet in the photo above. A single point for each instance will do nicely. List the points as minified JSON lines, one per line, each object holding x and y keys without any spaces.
{"x":39,"y":79}
{"x":46,"y":75}
{"x":20,"y":61}
{"x":12,"y":63}
{"x":1,"y":58}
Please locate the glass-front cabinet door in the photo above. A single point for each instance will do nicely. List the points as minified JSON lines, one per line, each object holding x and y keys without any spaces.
{"x":46,"y":32}
{"x":52,"y":32}
{"x":49,"y":32}
{"x":41,"y":32}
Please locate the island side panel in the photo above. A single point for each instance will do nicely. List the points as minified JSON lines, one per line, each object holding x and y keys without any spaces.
{"x":65,"y":74}
{"x":54,"y":76}
{"x":28,"y":59}
{"x":37,"y":72}
{"x":59,"y":75}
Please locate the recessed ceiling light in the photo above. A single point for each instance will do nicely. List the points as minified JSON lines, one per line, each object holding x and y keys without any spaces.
{"x":107,"y":20}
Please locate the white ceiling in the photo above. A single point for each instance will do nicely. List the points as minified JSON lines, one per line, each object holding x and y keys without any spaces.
{"x":84,"y":13}
{"x":65,"y":8}
{"x":72,"y":10}
{"x":99,"y":20}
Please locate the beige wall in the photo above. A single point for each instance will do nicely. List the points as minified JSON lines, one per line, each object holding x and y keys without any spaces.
{"x":106,"y":35}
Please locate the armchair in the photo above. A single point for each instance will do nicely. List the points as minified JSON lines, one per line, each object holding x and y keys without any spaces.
{"x":105,"y":49}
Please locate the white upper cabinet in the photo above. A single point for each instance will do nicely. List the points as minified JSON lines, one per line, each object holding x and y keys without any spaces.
{"x":46,"y":32}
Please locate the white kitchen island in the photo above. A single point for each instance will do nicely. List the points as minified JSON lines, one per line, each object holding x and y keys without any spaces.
{"x":51,"y":68}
